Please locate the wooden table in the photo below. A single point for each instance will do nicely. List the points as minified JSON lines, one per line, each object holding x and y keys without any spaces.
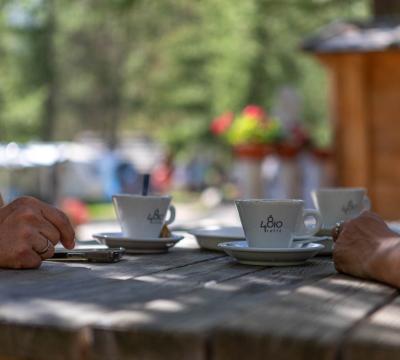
{"x":193,"y":304}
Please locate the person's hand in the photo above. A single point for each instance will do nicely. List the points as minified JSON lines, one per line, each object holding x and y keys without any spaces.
{"x":367,"y":248}
{"x":29,"y":229}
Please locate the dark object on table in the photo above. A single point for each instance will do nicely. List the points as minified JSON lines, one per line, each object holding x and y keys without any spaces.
{"x":91,"y":255}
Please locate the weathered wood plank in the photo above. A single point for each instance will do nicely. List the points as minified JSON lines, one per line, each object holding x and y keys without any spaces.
{"x":184,"y":253}
{"x":91,"y":295}
{"x":201,"y":307}
{"x":376,"y":337}
{"x":60,"y":299}
{"x":181,"y":323}
{"x":309,"y":323}
{"x":63,"y":306}
{"x":24,"y":342}
{"x":67,"y":303}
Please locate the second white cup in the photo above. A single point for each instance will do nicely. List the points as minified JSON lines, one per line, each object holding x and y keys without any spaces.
{"x":143,"y":216}
{"x":274,"y":223}
{"x":338,"y":204}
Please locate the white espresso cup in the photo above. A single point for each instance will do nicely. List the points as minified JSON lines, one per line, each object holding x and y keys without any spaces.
{"x":143,"y":216}
{"x":274,"y":223}
{"x":339,"y":204}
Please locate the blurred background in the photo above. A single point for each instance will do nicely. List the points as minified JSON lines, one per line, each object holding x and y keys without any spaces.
{"x":216,"y":99}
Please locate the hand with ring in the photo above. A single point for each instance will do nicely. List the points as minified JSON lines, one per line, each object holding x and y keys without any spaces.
{"x":365,"y":247}
{"x":29,"y":230}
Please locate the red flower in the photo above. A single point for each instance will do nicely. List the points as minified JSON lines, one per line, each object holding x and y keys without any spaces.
{"x":222,"y":123}
{"x":255,"y":112}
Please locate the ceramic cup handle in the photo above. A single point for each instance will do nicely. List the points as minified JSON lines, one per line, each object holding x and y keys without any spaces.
{"x":309,"y":231}
{"x":172,"y":213}
{"x":366,"y":203}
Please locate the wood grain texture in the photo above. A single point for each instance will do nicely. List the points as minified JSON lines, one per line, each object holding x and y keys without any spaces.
{"x":385,"y":131}
{"x":56,"y":304}
{"x":310,"y":323}
{"x":46,"y":312}
{"x":182,"y":322}
{"x":377,"y":336}
{"x":175,"y":308}
{"x":188,"y":305}
{"x":351,"y":117}
{"x":365,"y":98}
{"x":24,"y":342}
{"x":184,"y":253}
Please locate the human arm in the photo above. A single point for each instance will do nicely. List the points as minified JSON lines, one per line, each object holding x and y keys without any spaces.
{"x":367,"y":248}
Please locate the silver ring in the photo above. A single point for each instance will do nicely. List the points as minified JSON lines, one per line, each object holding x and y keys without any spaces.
{"x":337,"y":229}
{"x":46,"y":248}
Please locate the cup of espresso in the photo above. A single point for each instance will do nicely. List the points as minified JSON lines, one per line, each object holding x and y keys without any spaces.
{"x":274,"y":223}
{"x":143,"y":217}
{"x":339,"y":204}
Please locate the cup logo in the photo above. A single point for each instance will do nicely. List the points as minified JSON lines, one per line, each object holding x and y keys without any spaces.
{"x":349,"y":208}
{"x":270,"y":225}
{"x":156,"y":217}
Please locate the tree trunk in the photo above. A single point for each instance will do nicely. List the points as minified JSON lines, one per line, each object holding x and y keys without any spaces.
{"x":386,"y":8}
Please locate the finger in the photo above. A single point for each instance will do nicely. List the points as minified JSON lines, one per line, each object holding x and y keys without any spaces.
{"x":35,"y":220}
{"x":61,"y":222}
{"x":49,"y":231}
{"x":43,"y":247}
{"x":49,"y":253}
{"x":52,"y":214}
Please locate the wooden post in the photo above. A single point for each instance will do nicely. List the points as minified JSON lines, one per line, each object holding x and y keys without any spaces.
{"x":351,"y":118}
{"x":386,"y":8}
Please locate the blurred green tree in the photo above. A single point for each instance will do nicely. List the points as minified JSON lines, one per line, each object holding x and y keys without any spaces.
{"x":161,"y":68}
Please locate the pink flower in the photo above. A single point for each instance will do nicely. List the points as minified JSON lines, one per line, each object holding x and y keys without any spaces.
{"x":222,"y":123}
{"x":255,"y":112}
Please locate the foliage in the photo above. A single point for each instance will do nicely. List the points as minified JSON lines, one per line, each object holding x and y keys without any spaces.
{"x":252,"y":126}
{"x":163,"y":68}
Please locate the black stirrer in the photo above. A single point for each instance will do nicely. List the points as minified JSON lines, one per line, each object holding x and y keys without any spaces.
{"x":146,"y":183}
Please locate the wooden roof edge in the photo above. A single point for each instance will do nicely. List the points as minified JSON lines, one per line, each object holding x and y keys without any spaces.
{"x":355,"y":36}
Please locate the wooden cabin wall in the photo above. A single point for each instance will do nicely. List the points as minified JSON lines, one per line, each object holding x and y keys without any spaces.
{"x":365,"y":89}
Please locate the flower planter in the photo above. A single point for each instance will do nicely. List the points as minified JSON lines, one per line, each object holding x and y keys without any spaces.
{"x":322,"y":154}
{"x":324,"y":161}
{"x":290,"y":178}
{"x":249,"y":158}
{"x":253,"y":151}
{"x":288,"y":151}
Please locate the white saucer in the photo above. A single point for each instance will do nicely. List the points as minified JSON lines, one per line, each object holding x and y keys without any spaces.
{"x":326,"y":241}
{"x":209,"y":237}
{"x":270,"y":257}
{"x":138,"y":246}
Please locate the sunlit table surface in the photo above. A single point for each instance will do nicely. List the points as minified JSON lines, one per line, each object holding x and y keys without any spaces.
{"x":193,"y":304}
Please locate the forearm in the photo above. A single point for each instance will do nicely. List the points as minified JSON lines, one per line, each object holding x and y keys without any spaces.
{"x":385,"y":265}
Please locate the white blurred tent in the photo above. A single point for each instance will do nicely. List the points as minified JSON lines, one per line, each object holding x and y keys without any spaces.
{"x":73,"y":169}
{"x":47,"y":170}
